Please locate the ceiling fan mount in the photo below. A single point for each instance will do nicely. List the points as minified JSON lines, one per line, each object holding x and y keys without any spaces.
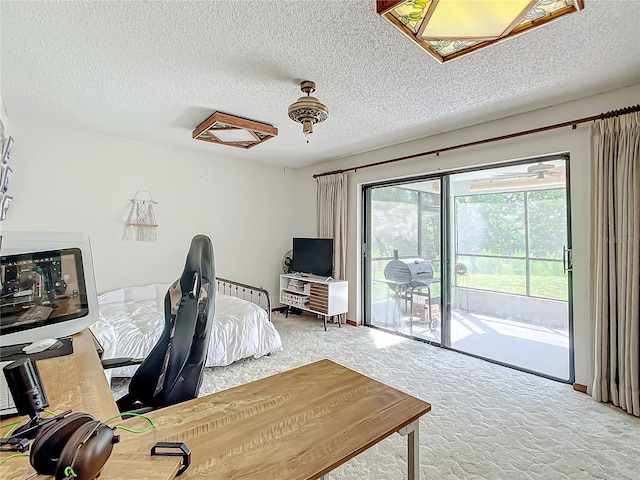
{"x":541,"y":169}
{"x":538,"y":170}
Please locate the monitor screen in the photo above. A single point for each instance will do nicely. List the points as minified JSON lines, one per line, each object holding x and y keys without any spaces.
{"x":47,"y":286}
{"x":41,"y":288}
{"x":313,"y":255}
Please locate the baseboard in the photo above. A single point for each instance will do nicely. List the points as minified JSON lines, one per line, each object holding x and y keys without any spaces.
{"x":354,"y":323}
{"x":580,"y":388}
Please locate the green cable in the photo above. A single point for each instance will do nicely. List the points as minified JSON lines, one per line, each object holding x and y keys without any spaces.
{"x":13,"y":426}
{"x":127,"y":429}
{"x":2,"y":462}
{"x":70,"y":472}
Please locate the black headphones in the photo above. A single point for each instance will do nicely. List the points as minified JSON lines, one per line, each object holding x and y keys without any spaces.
{"x":76,"y":446}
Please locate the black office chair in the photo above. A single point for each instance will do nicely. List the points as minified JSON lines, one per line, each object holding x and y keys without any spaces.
{"x":172,"y":372}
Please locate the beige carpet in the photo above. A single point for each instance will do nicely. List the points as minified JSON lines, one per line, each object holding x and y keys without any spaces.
{"x":487,"y":421}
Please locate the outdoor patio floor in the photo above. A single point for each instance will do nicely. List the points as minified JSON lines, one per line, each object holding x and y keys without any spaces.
{"x":528,"y":346}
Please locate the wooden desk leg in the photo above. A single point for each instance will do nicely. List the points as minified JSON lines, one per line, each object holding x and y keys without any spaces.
{"x":412,"y":431}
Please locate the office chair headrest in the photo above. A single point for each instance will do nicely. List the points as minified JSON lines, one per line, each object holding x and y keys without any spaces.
{"x":199,"y":259}
{"x":197,"y":275}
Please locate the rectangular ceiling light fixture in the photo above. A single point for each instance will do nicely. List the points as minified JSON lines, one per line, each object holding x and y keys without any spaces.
{"x":447,"y":29}
{"x":234,"y":131}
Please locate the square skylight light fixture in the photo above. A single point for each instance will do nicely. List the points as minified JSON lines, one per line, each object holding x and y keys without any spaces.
{"x":448,"y":29}
{"x":226,"y":129}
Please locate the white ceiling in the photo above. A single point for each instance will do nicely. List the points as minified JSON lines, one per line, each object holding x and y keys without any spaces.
{"x":152,"y":71}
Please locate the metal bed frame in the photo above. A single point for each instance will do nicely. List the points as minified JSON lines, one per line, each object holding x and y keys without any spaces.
{"x":250,"y":293}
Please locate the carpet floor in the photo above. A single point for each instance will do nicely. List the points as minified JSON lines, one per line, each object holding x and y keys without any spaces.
{"x":486,"y":422}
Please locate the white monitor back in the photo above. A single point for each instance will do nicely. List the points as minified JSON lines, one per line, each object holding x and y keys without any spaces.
{"x":25,"y":242}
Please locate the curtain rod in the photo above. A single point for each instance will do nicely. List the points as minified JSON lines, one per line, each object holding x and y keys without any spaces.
{"x":602,"y":116}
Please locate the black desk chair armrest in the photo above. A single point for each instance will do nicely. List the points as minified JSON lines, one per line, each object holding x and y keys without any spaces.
{"x":121,"y":362}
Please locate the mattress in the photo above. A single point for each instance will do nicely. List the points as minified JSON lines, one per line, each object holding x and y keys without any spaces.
{"x":131,"y":321}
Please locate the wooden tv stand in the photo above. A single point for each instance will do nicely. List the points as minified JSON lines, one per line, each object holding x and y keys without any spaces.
{"x":315,"y":294}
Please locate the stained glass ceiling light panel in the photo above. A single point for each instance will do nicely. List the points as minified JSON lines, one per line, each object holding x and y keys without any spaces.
{"x":234,"y":131}
{"x":447,"y":29}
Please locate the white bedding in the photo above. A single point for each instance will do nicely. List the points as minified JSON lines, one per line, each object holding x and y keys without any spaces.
{"x":132,"y":320}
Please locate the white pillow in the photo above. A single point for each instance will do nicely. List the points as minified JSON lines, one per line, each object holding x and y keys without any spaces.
{"x":112,"y":296}
{"x":136,"y":294}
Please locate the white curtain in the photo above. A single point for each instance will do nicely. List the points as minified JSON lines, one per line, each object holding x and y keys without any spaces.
{"x":615,"y":260}
{"x":332,"y":219}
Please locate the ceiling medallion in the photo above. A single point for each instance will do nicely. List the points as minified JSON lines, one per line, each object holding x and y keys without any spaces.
{"x":308,"y":110}
{"x":448,"y":29}
{"x":234,"y":131}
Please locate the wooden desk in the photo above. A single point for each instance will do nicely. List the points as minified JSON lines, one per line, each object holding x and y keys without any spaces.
{"x":77,"y":382}
{"x":299,"y":424}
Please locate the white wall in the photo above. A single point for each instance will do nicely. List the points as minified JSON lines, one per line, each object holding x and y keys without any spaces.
{"x":65,"y":180}
{"x":576,"y":142}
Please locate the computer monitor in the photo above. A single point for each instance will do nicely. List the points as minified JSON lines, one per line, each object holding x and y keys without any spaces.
{"x":47,"y":286}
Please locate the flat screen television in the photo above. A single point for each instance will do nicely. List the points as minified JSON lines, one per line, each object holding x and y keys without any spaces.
{"x":47,"y":286}
{"x":313,"y":256}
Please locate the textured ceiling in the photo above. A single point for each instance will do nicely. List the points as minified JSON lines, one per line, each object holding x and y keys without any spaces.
{"x":152,"y":71}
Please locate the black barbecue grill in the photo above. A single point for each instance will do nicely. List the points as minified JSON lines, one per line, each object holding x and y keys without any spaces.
{"x":407,"y":277}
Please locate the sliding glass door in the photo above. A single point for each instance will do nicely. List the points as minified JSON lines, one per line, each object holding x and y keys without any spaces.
{"x":502,"y":236}
{"x":510,"y":284}
{"x":404,"y":258}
